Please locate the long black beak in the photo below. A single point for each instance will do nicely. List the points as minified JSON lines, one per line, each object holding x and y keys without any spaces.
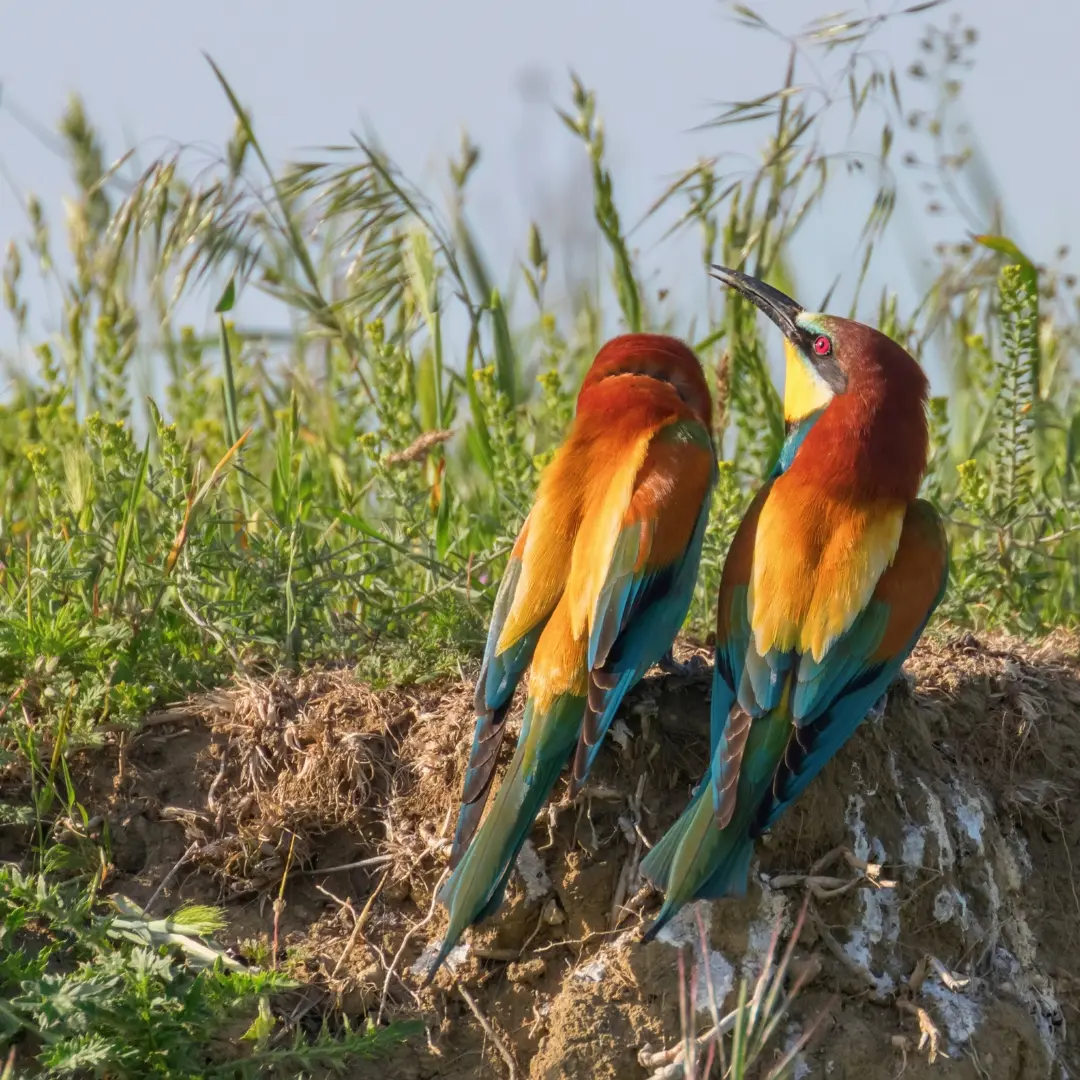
{"x":780,"y":308}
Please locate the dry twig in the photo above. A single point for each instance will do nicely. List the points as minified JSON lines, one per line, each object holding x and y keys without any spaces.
{"x":929,"y":1033}
{"x":362,"y":864}
{"x":167,"y":880}
{"x":489,"y":1031}
{"x":361,"y":922}
{"x":405,"y":941}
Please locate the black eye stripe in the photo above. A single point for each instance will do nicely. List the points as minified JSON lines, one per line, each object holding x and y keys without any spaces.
{"x":825,"y":364}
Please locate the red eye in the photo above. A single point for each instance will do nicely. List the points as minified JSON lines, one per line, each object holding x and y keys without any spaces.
{"x":822,"y":345}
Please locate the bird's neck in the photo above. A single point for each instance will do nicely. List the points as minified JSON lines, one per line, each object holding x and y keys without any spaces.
{"x":864,"y":445}
{"x":797,"y":430}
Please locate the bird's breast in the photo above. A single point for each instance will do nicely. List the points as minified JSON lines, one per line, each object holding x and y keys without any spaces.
{"x":817,"y":560}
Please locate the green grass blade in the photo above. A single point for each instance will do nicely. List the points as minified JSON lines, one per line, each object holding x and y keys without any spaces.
{"x":505,"y":360}
{"x":739,"y":1036}
{"x":232,"y":426}
{"x":127,"y":524}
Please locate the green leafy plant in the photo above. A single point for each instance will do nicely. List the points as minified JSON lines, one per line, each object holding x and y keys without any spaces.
{"x":130,"y":996}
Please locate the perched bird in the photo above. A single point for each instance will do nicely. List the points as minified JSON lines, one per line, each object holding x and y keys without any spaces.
{"x":598,"y":583}
{"x":829,"y":582}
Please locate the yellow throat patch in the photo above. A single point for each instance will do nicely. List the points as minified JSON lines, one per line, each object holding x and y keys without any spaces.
{"x":804,"y":390}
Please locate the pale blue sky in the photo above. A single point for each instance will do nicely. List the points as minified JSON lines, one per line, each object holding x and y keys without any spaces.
{"x":415,"y":74}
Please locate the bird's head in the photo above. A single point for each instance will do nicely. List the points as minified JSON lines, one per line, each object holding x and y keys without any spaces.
{"x":664,"y":360}
{"x":826,"y":355}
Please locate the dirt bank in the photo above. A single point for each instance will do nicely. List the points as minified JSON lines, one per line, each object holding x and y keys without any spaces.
{"x":952,"y":826}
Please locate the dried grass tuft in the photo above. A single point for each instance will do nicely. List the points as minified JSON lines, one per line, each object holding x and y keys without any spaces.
{"x":1007,"y":711}
{"x":305,"y":755}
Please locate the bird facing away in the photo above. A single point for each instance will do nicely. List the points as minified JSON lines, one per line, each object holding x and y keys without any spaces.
{"x":828,"y":584}
{"x":598,"y":583}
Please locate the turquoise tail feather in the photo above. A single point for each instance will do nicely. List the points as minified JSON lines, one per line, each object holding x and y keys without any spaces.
{"x":476,"y":888}
{"x":697,"y":861}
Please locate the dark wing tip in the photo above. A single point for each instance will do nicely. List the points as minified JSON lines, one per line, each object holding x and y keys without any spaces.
{"x":468,"y":820}
{"x":735,"y":736}
{"x":479,"y":775}
{"x":580,"y":770}
{"x":601,"y":683}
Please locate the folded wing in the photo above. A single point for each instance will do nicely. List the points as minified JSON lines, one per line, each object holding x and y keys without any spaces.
{"x":650,"y":574}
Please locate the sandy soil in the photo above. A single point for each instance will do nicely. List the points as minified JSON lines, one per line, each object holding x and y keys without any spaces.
{"x":937,"y":853}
